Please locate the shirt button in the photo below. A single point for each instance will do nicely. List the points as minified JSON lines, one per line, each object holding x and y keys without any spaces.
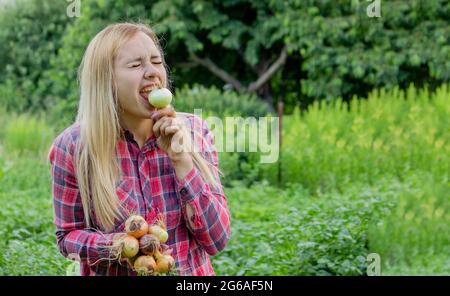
{"x":183,"y":190}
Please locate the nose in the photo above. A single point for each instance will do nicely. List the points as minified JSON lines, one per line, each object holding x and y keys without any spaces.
{"x":150,"y":70}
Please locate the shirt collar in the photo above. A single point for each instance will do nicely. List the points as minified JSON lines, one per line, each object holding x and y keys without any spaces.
{"x":129,"y":137}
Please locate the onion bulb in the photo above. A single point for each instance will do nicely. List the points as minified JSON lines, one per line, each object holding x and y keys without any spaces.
{"x":145,"y":265}
{"x":130,"y":246}
{"x":160,"y":97}
{"x":136,"y":226}
{"x":159,"y":232}
{"x":149,"y":244}
{"x":164,"y":263}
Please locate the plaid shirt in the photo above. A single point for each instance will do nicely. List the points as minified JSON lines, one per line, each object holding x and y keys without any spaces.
{"x":148,"y":186}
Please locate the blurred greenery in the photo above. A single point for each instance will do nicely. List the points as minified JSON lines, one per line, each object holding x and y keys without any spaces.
{"x":217,"y":102}
{"x":26,"y":134}
{"x":30,"y":36}
{"x":334,"y":49}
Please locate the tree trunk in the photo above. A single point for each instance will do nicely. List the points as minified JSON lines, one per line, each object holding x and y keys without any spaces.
{"x":266,"y":95}
{"x":261,"y":85}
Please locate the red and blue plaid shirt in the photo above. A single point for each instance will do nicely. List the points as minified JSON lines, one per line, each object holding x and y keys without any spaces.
{"x":149,"y":187}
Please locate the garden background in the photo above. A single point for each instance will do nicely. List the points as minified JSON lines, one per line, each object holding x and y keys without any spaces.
{"x":364,"y":164}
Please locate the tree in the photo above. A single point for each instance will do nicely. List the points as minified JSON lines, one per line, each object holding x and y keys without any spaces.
{"x":336,"y":48}
{"x":30,"y":36}
{"x":238,"y":41}
{"x":347,"y":53}
{"x":297,"y":50}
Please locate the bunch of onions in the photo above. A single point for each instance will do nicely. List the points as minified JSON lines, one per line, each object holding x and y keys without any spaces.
{"x":143,"y":245}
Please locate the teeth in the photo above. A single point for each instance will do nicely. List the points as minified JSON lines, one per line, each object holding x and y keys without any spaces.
{"x":149,"y":88}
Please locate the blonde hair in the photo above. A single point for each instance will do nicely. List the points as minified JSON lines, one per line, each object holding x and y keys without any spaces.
{"x":97,"y":166}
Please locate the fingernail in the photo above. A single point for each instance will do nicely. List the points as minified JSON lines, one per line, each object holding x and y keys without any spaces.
{"x":155,"y":115}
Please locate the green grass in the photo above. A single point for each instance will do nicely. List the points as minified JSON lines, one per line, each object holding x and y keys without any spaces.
{"x":26,"y":219}
{"x":25,"y":135}
{"x":414,"y":236}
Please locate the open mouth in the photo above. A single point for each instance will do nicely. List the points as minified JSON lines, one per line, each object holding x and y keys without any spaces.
{"x":144,"y":92}
{"x":144,"y":96}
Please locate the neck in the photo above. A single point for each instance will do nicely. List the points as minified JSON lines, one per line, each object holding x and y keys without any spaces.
{"x":141,"y":128}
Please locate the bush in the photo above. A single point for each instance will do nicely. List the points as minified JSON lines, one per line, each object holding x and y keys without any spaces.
{"x":391,"y":133}
{"x":30,"y":37}
{"x":26,"y":134}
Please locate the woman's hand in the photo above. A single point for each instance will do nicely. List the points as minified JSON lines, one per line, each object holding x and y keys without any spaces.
{"x":174,"y":139}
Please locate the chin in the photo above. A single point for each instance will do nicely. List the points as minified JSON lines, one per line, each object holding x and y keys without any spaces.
{"x":149,"y":111}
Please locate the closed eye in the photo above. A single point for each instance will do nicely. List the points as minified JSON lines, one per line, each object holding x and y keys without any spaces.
{"x":135,"y":65}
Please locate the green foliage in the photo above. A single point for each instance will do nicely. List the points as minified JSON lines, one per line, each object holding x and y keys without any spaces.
{"x":391,"y":133}
{"x":30,"y":35}
{"x":413,"y":236}
{"x":345,"y":52}
{"x":240,"y":37}
{"x":26,"y":226}
{"x":334,"y":48}
{"x":291,"y":232}
{"x":25,"y":134}
{"x":395,"y":141}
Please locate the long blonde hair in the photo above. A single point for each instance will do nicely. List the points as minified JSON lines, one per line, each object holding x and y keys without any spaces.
{"x":97,"y":166}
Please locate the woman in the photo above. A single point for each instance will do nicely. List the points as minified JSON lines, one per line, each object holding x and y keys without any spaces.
{"x":117,"y":159}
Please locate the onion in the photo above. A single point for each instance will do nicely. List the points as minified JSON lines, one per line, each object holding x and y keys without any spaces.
{"x":145,"y":265}
{"x":149,"y":244}
{"x":136,"y":226}
{"x":130,"y":246}
{"x":159,"y":232}
{"x":160,"y":98}
{"x":164,"y":262}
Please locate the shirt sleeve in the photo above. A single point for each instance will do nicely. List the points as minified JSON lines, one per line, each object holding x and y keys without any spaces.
{"x":74,"y":240}
{"x":210,"y":222}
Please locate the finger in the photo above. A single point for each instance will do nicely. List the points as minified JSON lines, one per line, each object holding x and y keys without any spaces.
{"x":166,"y":123}
{"x":156,"y":127}
{"x":170,"y":130}
{"x":168,"y":111}
{"x":175,"y":126}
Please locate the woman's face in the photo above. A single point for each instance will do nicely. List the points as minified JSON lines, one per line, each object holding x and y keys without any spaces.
{"x":138,"y":68}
